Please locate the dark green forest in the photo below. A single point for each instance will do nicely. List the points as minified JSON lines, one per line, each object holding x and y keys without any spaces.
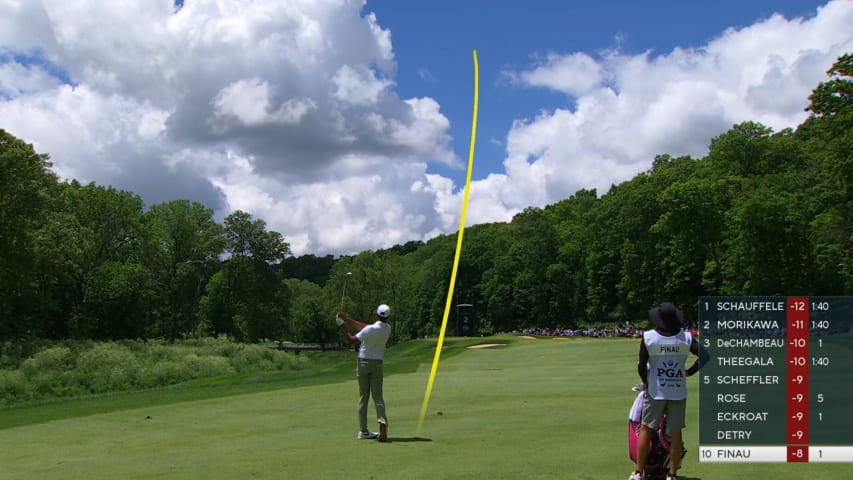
{"x":763,"y":213}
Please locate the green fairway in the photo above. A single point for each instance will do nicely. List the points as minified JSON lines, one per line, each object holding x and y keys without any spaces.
{"x":543,"y":408}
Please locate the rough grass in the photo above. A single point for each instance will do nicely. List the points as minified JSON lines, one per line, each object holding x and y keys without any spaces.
{"x":79,"y":368}
{"x":543,"y":408}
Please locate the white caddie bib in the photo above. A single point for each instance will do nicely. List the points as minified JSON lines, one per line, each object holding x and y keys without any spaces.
{"x":667,"y":364}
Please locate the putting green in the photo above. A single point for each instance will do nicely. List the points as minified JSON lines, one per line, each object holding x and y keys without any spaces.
{"x":532,"y":409}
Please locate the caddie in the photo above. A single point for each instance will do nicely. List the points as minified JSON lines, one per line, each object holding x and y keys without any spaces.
{"x":663,"y":372}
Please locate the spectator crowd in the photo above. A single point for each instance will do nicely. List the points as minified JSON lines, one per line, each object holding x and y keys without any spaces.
{"x":628,"y":331}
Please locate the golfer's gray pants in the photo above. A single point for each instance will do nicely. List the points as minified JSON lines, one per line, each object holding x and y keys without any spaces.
{"x":369,"y":381}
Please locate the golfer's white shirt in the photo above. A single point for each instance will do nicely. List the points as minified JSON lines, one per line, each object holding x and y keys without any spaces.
{"x":373,"y":339}
{"x":667,"y":369}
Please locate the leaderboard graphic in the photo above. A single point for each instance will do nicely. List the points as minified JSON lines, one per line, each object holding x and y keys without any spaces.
{"x":778,"y":384}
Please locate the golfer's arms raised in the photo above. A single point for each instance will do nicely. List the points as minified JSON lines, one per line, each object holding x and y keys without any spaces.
{"x":355,"y":323}
{"x":350,"y":337}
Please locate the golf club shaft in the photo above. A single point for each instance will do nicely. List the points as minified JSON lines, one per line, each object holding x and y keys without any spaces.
{"x":344,"y":292}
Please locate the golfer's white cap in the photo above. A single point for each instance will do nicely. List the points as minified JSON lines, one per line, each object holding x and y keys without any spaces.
{"x":383,"y":311}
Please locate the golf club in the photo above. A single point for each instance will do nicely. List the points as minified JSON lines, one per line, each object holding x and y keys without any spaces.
{"x":345,"y":290}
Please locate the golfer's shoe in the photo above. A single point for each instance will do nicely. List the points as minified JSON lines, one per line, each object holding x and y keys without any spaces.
{"x":636,"y":476}
{"x":670,"y":476}
{"x":383,"y":429}
{"x":367,"y":435}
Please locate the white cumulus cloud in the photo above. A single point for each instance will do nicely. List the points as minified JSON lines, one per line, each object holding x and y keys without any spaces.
{"x":277,"y":108}
{"x":289,"y":110}
{"x":629,"y":108}
{"x":576,"y":73}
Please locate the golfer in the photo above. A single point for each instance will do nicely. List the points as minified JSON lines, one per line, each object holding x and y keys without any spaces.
{"x":371,"y":340}
{"x":662,"y":369}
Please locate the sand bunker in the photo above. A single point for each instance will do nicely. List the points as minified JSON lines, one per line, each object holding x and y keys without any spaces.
{"x":487,"y":345}
{"x":528,"y":337}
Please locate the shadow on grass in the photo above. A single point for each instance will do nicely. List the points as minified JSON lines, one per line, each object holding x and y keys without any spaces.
{"x":407,"y":439}
{"x":662,"y":477}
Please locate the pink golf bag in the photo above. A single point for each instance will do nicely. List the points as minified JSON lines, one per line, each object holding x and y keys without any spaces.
{"x":658,"y":461}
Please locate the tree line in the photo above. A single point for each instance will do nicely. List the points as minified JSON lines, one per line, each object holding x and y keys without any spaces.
{"x":763,"y":213}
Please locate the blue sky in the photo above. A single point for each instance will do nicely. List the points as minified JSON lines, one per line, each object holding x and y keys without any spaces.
{"x":345,"y":124}
{"x":437,"y":37}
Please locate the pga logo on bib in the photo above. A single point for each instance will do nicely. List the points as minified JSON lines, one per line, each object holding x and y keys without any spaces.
{"x":670,"y":374}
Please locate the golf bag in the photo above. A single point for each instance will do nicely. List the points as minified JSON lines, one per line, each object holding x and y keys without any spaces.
{"x":657,"y":462}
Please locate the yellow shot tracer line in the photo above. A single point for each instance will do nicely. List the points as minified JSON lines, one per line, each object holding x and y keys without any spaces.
{"x":458,"y":249}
